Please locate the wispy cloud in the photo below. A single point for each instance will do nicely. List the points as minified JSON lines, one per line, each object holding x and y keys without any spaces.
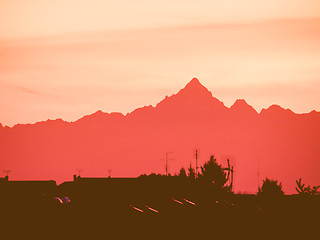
{"x":92,"y":70}
{"x":19,"y":87}
{"x":5,"y":84}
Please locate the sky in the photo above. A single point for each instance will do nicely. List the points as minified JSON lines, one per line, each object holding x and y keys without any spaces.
{"x":65,"y":59}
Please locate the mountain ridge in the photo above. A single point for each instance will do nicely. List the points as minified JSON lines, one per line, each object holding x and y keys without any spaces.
{"x":134,"y":143}
{"x":191,"y":87}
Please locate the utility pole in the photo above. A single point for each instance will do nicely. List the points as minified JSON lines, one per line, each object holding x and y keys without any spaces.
{"x":109,"y":170}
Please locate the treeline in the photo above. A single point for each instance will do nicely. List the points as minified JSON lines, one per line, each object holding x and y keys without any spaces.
{"x":221,"y":178}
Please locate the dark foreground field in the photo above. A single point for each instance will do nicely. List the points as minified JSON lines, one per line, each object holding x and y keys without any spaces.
{"x":157,"y":209}
{"x":163,"y":217}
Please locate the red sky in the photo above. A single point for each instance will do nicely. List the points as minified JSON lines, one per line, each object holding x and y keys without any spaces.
{"x":66,"y":59}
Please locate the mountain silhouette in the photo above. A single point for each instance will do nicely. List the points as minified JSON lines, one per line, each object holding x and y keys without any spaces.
{"x":194,"y":96}
{"x":275,"y":143}
{"x":241,"y":106}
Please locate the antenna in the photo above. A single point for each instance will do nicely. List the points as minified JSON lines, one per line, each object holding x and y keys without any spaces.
{"x":231,"y":178}
{"x":196,"y":155}
{"x":109,"y":170}
{"x":229,"y":169}
{"x":258,"y":171}
{"x":167,"y":153}
{"x":79,"y":172}
{"x":7,"y":172}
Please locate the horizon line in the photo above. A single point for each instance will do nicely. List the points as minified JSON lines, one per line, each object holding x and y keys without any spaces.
{"x":129,"y":112}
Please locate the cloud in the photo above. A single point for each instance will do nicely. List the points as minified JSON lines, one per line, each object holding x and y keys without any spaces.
{"x":91,"y":71}
{"x":18,"y":87}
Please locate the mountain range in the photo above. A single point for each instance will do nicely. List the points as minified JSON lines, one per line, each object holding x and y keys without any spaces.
{"x":275,"y":143}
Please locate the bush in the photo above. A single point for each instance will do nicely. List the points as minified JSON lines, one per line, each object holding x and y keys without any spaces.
{"x":270,"y":189}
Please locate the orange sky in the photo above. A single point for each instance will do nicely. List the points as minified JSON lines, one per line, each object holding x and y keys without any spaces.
{"x":70,"y":58}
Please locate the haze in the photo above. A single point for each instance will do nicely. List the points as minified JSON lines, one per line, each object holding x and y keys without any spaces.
{"x":66,"y":59}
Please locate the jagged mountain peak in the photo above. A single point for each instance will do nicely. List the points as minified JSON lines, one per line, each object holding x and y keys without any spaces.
{"x":133,"y":144}
{"x":194,"y":83}
{"x":193,"y":95}
{"x":195,"y":87}
{"x":276,"y":109}
{"x":243,"y":106}
{"x":240,"y":101}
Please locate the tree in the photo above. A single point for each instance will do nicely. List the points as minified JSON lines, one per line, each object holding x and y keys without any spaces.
{"x":307,"y":190}
{"x":182,"y":173}
{"x":211,"y":172}
{"x":191,"y":173}
{"x":270,"y":189}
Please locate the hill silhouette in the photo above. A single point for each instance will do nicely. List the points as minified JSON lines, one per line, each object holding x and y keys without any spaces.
{"x":275,"y":143}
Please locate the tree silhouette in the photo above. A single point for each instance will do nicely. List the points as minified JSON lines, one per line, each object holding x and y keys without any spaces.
{"x":211,"y":172}
{"x":307,"y":190}
{"x":270,"y":189}
{"x":182,"y":173}
{"x":191,"y":173}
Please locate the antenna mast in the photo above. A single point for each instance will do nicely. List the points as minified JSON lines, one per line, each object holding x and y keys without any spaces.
{"x":258,"y":171}
{"x":167,"y":153}
{"x":229,"y":169}
{"x":7,"y":173}
{"x":196,"y":155}
{"x":79,"y":172}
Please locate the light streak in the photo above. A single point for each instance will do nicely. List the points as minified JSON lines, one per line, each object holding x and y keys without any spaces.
{"x":177,"y":201}
{"x":59,"y":199}
{"x":192,"y":203}
{"x":152,"y":209}
{"x":138,"y":209}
